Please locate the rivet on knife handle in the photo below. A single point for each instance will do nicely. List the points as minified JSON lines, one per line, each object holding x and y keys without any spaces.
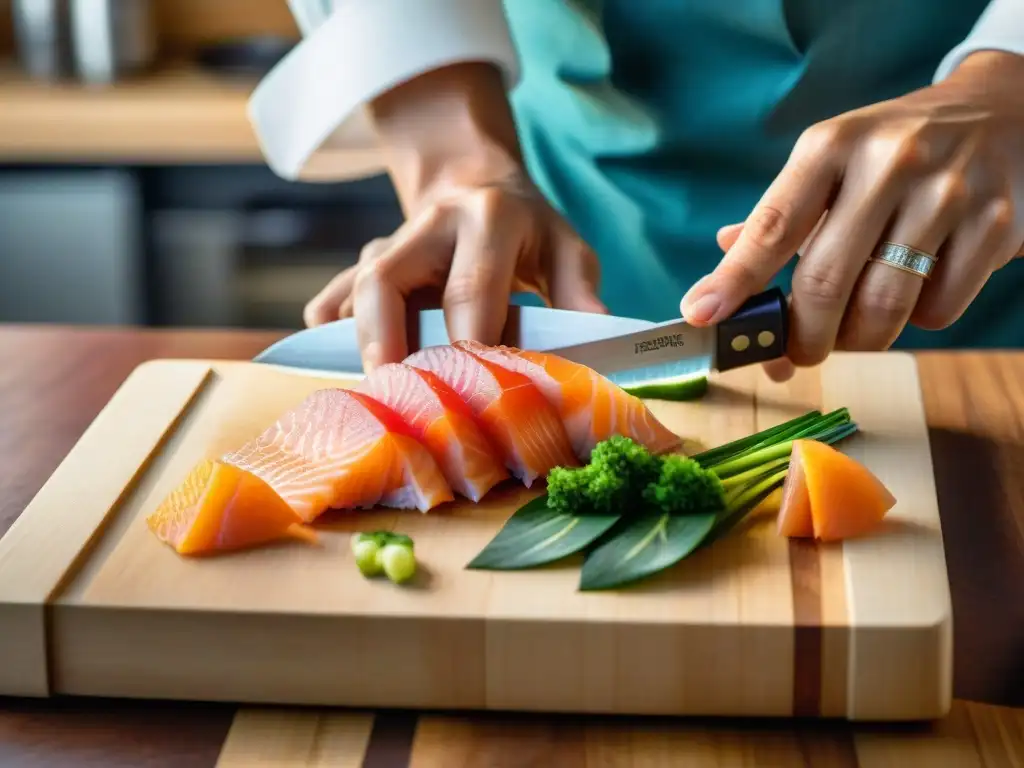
{"x":755,"y":333}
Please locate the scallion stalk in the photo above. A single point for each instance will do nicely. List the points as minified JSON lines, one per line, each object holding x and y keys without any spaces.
{"x":749,"y":473}
{"x":780,"y":445}
{"x":766,"y":436}
{"x":746,"y":499}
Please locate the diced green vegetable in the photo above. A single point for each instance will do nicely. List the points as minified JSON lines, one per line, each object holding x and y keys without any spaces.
{"x":398,"y":562}
{"x":366,"y":553}
{"x":398,"y":538}
{"x":384,"y":552}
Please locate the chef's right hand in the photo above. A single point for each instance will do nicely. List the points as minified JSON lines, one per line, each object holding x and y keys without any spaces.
{"x":476,"y":229}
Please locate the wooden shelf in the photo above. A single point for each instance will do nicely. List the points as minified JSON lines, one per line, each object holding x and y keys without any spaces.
{"x":175,"y":115}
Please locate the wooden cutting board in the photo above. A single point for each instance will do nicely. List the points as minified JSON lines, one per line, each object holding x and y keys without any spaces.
{"x":91,"y":603}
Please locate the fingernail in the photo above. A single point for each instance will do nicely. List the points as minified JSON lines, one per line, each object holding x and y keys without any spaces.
{"x":704,"y":309}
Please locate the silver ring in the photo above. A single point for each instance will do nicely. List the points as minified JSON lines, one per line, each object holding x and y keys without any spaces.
{"x":906,"y":258}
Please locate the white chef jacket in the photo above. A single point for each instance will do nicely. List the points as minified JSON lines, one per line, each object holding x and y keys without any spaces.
{"x":309,"y":110}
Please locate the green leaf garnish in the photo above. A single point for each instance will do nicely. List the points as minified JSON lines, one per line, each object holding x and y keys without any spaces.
{"x":536,"y":535}
{"x":636,"y":514}
{"x":644,"y":546}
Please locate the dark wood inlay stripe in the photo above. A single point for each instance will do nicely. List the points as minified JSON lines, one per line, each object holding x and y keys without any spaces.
{"x":805,"y":573}
{"x":391,"y":740}
{"x":832,"y":748}
{"x":107,"y":733}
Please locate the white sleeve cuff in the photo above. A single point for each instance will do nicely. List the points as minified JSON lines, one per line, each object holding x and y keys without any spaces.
{"x":999,"y":28}
{"x":311,"y":105}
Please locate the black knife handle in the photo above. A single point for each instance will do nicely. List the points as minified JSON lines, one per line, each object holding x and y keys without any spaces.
{"x":755,"y":332}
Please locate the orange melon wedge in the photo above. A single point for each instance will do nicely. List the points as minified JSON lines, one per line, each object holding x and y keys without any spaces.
{"x":794,"y":518}
{"x":219,"y":507}
{"x":829,"y":496}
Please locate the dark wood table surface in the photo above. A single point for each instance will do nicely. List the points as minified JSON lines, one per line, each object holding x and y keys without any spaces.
{"x":53,"y":382}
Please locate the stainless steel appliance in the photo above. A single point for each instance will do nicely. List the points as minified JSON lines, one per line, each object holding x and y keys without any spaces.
{"x":111,"y":38}
{"x":240,"y":247}
{"x":99,"y":41}
{"x":70,"y":247}
{"x":42,"y":37}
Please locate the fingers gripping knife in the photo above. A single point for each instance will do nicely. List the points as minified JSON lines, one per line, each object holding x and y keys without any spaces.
{"x":630,"y":352}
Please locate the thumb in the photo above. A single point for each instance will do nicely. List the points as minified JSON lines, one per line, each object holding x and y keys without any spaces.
{"x":575,"y":276}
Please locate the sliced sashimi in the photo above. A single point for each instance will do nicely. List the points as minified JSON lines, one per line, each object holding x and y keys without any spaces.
{"x":219,"y":507}
{"x":845,"y":498}
{"x":340,"y":449}
{"x":443,"y":423}
{"x":516,"y":416}
{"x":591,"y":407}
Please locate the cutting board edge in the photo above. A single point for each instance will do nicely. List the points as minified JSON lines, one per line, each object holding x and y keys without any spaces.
{"x":873,"y":607}
{"x":28,"y":582}
{"x":95,"y":666}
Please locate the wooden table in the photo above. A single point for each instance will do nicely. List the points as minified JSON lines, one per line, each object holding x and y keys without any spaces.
{"x":53,"y":381}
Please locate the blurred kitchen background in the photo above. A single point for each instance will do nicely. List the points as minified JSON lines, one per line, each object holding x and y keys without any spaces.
{"x":132,"y":190}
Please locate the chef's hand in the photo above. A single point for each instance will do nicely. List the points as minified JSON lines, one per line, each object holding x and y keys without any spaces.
{"x":940,"y":170}
{"x":476,"y":229}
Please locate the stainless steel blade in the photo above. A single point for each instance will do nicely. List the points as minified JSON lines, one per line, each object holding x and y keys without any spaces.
{"x":335,"y":347}
{"x":669,"y":350}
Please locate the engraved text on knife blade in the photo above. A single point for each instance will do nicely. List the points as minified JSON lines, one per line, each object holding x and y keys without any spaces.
{"x":664,"y":344}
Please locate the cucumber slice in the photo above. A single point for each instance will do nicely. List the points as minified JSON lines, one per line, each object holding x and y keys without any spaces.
{"x":671,"y":389}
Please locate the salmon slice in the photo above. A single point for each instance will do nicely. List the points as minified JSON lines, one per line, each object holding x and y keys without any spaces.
{"x":340,"y":449}
{"x":841,"y":497}
{"x":219,"y":507}
{"x":516,"y":417}
{"x":591,"y":407}
{"x":443,"y":422}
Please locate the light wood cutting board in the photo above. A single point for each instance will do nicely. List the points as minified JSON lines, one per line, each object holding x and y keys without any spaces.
{"x":91,"y":603}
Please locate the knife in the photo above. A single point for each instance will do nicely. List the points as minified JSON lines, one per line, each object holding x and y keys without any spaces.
{"x":629,"y":351}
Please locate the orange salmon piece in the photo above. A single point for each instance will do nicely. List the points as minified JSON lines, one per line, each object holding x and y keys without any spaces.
{"x":341,"y":449}
{"x":592,"y":408}
{"x":844,"y":498}
{"x":515,"y":415}
{"x":219,"y":507}
{"x":443,"y":422}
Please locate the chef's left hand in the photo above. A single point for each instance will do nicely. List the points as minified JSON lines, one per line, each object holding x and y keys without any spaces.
{"x":940,"y":170}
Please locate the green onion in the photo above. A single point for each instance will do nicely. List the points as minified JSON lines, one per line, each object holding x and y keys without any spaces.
{"x":384,"y":552}
{"x":399,"y":562}
{"x":366,"y":552}
{"x":764,"y":437}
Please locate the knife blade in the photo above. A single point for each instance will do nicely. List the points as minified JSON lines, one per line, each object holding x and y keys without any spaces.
{"x":334,"y":346}
{"x":628,"y":351}
{"x":755,"y":333}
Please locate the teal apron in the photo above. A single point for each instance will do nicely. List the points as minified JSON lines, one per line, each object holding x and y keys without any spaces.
{"x":652,"y":123}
